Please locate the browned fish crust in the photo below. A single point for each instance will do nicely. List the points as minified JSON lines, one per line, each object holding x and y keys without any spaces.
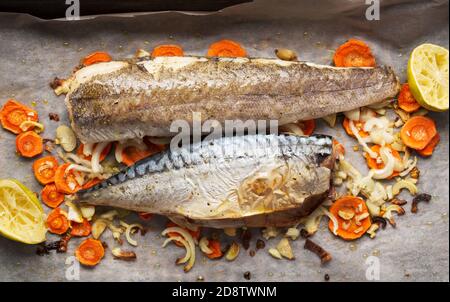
{"x":136,"y":101}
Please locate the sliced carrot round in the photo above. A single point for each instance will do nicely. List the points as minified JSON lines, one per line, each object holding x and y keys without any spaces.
{"x":307,"y":126}
{"x":29,"y":144}
{"x":406,"y":100}
{"x":354,"y":53}
{"x":428,"y":150}
{"x":96,"y":57}
{"x":358,"y":124}
{"x":90,"y":252}
{"x":65,"y":180}
{"x":44,"y":169}
{"x":226,"y":48}
{"x":418,"y":132}
{"x":81,"y":229}
{"x":167,"y":50}
{"x":13,"y":114}
{"x":51,"y":197}
{"x":131,"y":154}
{"x":373,"y":164}
{"x":353,"y":209}
{"x":214,"y":246}
{"x":195,"y":234}
{"x":57,"y":222}
{"x":103,"y":155}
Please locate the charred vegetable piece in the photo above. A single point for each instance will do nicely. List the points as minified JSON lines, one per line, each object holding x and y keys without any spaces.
{"x":318,"y":250}
{"x":419,"y":198}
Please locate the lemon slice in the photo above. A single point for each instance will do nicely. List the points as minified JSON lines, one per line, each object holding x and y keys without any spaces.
{"x":428,"y":76}
{"x":21,"y":213}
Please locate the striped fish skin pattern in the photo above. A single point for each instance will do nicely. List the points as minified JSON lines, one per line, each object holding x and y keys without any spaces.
{"x":120,"y":100}
{"x":253,"y":181}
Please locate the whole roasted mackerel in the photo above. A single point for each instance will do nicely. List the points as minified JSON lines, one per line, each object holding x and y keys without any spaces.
{"x":127,"y":99}
{"x":253,"y":181}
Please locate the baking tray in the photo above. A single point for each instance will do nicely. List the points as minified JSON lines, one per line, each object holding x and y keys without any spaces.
{"x":34,"y":51}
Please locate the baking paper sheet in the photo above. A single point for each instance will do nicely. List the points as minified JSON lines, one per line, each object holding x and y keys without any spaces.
{"x":33,"y":52}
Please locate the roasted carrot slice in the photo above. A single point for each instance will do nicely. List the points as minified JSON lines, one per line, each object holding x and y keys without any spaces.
{"x":131,"y":154}
{"x":226,"y":48}
{"x":418,"y":132}
{"x":13,"y":114}
{"x":195,"y":234}
{"x":81,"y":229}
{"x":373,"y":164}
{"x":44,"y":169}
{"x":167,"y":50}
{"x":358,"y":124}
{"x":51,"y":197}
{"x":57,"y":222}
{"x":29,"y":144}
{"x":428,"y":150}
{"x":307,"y":126}
{"x":354,"y":53}
{"x":214,"y":246}
{"x":145,"y":216}
{"x":406,"y":100}
{"x":338,"y":147}
{"x":96,"y":57}
{"x":65,"y":180}
{"x":103,"y":155}
{"x":90,"y":183}
{"x":90,"y":252}
{"x":352,"y":216}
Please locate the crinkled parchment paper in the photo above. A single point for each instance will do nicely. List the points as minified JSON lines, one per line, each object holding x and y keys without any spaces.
{"x":33,"y":52}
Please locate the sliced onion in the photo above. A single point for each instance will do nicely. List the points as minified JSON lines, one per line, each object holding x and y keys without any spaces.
{"x":87,"y":149}
{"x":190,"y":241}
{"x":366,"y":114}
{"x":204,"y":246}
{"x":389,"y":162}
{"x":130,"y":143}
{"x":353,"y":115}
{"x":25,"y":125}
{"x":361,"y":141}
{"x":128,"y":230}
{"x":187,"y":256}
{"x":76,"y":167}
{"x":292,"y":128}
{"x":79,"y":178}
{"x":78,"y":160}
{"x":333,"y":218}
{"x":95,"y":160}
{"x":411,"y":165}
{"x":375,"y":122}
{"x":46,"y":165}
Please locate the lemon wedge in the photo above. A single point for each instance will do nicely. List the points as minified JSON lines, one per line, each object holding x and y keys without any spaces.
{"x":428,"y":76}
{"x":21,"y":213}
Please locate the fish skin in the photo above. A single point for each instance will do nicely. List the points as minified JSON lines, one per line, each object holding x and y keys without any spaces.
{"x":200,"y":187}
{"x":130,"y":99}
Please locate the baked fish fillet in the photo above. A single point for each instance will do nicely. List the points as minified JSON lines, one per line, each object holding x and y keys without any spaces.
{"x":254,"y":181}
{"x":125,"y":99}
